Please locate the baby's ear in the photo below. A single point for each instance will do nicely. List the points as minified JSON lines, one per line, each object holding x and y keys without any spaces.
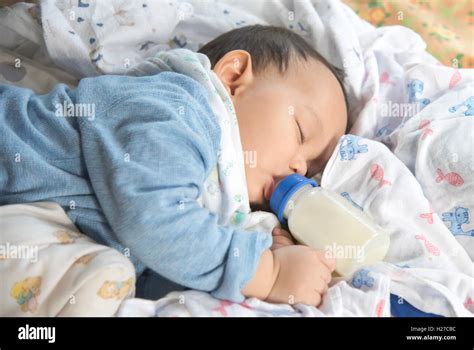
{"x":234,"y":70}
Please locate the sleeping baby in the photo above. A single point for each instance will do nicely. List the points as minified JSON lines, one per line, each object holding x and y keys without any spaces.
{"x":130,"y":173}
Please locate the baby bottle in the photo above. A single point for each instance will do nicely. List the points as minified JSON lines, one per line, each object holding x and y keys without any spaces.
{"x":324,"y":220}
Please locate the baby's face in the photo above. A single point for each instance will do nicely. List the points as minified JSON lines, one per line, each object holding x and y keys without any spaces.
{"x":289,"y":123}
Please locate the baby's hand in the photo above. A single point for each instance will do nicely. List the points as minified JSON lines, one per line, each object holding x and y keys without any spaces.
{"x":303,"y":275}
{"x":281,"y":238}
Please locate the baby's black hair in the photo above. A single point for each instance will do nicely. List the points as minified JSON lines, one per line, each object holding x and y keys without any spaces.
{"x":267,"y":45}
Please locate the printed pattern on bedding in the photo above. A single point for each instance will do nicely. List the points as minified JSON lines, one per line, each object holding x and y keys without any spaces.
{"x":57,"y":270}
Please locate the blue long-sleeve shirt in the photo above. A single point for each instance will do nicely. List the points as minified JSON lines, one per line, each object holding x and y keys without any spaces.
{"x":130,"y":173}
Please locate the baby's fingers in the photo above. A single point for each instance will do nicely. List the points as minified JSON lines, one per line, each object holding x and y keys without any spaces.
{"x":280,"y":241}
{"x":326,"y":276}
{"x":281,"y":232}
{"x":317,"y":298}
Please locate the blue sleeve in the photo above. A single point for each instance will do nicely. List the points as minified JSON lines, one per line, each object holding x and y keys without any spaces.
{"x":148,"y":152}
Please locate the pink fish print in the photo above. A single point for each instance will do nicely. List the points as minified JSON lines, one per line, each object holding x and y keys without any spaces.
{"x":469,"y":304}
{"x":428,"y":216}
{"x":430,"y":247}
{"x":222,"y":307}
{"x":385,"y":79}
{"x":377,"y":173}
{"x":379,"y":308}
{"x":455,"y":79}
{"x":453,"y":178}
{"x":426,"y":130}
{"x":245,"y":305}
{"x":424,"y":123}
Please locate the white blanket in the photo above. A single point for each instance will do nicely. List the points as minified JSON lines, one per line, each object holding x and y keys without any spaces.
{"x":426,"y":210}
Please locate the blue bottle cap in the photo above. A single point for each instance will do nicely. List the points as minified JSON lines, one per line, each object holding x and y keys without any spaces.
{"x":284,"y":190}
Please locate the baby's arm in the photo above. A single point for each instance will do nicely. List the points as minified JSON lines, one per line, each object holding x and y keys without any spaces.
{"x":148,"y":155}
{"x":265,"y":277}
